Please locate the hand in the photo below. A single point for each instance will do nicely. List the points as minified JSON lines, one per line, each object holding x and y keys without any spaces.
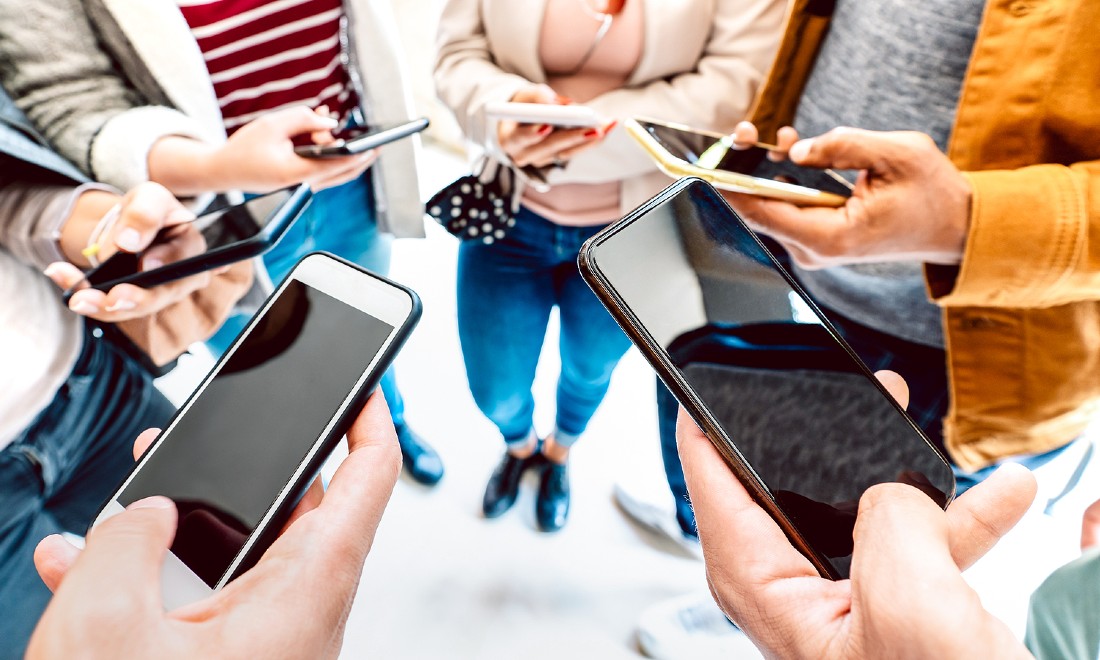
{"x":541,"y":145}
{"x":293,"y":604}
{"x":1090,"y":527}
{"x":910,"y":203}
{"x":258,"y":158}
{"x":144,"y":211}
{"x":906,"y":596}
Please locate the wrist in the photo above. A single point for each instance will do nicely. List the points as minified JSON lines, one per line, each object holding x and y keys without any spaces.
{"x":187,"y":167}
{"x":88,"y":209}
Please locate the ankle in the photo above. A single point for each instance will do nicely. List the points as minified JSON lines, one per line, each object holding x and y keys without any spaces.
{"x":554,"y":452}
{"x":524,"y":448}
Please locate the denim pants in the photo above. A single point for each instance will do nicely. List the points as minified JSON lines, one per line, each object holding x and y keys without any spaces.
{"x":58,"y":472}
{"x":506,"y":291}
{"x":339,"y":220}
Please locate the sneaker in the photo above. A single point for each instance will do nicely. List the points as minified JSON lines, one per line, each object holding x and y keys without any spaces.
{"x":691,"y":627}
{"x":657,"y":520}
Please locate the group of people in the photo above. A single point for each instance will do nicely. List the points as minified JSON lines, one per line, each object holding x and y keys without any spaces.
{"x":963,"y":262}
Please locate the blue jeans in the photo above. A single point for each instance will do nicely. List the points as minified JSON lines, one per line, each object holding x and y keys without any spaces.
{"x":56,"y":475}
{"x":505,"y":293}
{"x":339,"y":220}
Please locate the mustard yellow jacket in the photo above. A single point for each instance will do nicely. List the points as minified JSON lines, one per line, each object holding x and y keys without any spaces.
{"x":1022,"y":311}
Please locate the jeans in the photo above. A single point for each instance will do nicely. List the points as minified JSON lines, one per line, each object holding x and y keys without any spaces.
{"x":339,"y":220}
{"x":56,"y":475}
{"x":505,"y":293}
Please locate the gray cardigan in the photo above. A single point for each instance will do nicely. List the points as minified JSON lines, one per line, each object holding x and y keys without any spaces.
{"x":105,"y":79}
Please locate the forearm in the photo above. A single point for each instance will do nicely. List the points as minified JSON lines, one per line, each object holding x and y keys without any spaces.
{"x":43,"y":224}
{"x":187,"y":167}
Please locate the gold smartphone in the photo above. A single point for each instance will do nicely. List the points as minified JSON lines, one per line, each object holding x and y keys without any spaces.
{"x":681,"y":151}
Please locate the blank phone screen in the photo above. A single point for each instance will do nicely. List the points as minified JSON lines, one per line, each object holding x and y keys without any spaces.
{"x":798,"y":406}
{"x":237,"y":444}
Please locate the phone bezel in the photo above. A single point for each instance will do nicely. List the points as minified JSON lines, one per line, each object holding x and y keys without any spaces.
{"x":677,"y":167}
{"x":365,"y":142}
{"x":372,"y":294}
{"x":661,"y":362}
{"x":276,"y":225}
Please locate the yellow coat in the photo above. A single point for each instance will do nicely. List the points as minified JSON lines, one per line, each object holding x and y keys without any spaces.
{"x":1022,"y":311}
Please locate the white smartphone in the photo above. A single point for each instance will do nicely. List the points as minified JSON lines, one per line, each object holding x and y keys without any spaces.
{"x":243,"y":449}
{"x":562,"y":116}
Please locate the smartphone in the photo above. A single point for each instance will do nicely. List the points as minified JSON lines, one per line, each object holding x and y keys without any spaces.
{"x":358,"y":140}
{"x":797,"y":416}
{"x":679,"y":152}
{"x":246,"y":445}
{"x":561,"y":116}
{"x":231,"y":234}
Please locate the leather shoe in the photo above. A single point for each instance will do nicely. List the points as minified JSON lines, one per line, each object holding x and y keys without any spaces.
{"x":421,"y":461}
{"x":552,"y":505}
{"x":503,"y":486}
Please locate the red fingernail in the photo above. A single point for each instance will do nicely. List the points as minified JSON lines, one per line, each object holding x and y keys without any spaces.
{"x":613,"y":124}
{"x":545,"y":128}
{"x":591,"y":133}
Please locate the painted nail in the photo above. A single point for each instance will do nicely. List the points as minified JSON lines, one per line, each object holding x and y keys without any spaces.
{"x":129,"y":239}
{"x":545,"y":128}
{"x":154,"y":502}
{"x":122,"y":305}
{"x":591,"y":133}
{"x":84,"y":307}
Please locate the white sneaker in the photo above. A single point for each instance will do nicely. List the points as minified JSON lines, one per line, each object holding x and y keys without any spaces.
{"x":658,"y":520}
{"x":691,"y":627}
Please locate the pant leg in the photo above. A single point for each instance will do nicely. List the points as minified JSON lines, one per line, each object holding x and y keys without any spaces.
{"x":505,"y":293}
{"x":591,"y":345}
{"x":667,"y":410}
{"x":57,"y":473}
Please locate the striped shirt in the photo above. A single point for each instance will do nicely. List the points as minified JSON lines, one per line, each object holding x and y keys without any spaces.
{"x":263,"y":55}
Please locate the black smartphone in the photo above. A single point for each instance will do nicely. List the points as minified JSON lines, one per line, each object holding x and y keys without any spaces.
{"x":799,"y":418}
{"x":357,"y":140}
{"x":231,"y":234}
{"x":242,"y":450}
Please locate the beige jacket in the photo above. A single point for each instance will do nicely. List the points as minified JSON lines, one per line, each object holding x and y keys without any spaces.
{"x":702,"y":63}
{"x":105,"y":79}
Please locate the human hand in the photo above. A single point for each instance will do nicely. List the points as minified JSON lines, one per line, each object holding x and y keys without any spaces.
{"x":910,"y":203}
{"x":142,"y":213}
{"x":259,"y":157}
{"x":541,"y":145}
{"x":906,"y":596}
{"x":1090,"y":527}
{"x":293,"y":603}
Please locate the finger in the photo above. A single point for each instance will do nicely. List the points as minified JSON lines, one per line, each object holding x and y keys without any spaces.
{"x":183,"y":243}
{"x":345,"y":175}
{"x":143,"y":441}
{"x":126,"y":552}
{"x":53,"y":557}
{"x":1090,"y":527}
{"x":126,"y":301}
{"x":745,"y":135}
{"x":986,"y":512}
{"x":784,"y":139}
{"x":311,"y":500}
{"x":547,"y":150}
{"x":824,"y":231}
{"x":145,"y":210}
{"x":895,"y":385}
{"x":570,"y":154}
{"x":536,"y":94}
{"x":290,"y":122}
{"x":65,"y":275}
{"x":853,"y":149}
{"x":88,"y":302}
{"x":514,"y":137}
{"x":741,"y":542}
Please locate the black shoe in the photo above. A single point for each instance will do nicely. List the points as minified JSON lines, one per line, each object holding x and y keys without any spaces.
{"x":503,"y":486}
{"x":421,"y":461}
{"x":552,"y":505}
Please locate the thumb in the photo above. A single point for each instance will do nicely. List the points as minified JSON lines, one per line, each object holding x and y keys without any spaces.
{"x":123,"y":556}
{"x":846,"y":149}
{"x":297,"y":120}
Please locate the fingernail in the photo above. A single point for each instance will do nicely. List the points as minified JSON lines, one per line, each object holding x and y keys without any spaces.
{"x":84,"y":307}
{"x":545,"y":128}
{"x":53,"y":269}
{"x":129,"y":239}
{"x":151,"y":263}
{"x":122,"y":305}
{"x":591,"y":133}
{"x":607,"y":129}
{"x":180,"y":215}
{"x":800,"y":150}
{"x":154,"y":502}
{"x":564,"y":100}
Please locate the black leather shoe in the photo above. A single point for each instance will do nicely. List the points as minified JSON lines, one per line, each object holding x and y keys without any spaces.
{"x":419,"y":459}
{"x":552,"y":505}
{"x":503,"y":486}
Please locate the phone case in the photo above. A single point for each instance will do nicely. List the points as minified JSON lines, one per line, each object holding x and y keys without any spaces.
{"x":218,"y":257}
{"x":668,"y":373}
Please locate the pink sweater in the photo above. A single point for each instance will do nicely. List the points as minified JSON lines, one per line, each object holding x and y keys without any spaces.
{"x":567,"y":33}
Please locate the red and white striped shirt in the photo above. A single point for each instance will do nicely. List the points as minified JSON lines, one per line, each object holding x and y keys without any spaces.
{"x":263,"y":55}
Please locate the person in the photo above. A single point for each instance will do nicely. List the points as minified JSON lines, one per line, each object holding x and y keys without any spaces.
{"x":209,"y":97}
{"x":75,"y":385}
{"x":292,"y":603}
{"x":953,"y":264}
{"x":643,"y":57}
{"x":906,"y":596}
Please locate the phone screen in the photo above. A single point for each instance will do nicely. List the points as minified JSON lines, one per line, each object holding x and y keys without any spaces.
{"x":219,"y":228}
{"x":689,"y":146}
{"x":237,"y":444}
{"x":805,"y":415}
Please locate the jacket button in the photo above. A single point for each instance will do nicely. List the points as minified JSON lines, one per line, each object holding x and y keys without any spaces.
{"x":1021,"y":7}
{"x":977,"y":323}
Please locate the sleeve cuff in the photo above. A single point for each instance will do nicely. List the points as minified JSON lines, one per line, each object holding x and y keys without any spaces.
{"x":120,"y":151}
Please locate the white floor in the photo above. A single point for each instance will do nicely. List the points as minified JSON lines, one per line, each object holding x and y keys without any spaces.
{"x":442,"y":582}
